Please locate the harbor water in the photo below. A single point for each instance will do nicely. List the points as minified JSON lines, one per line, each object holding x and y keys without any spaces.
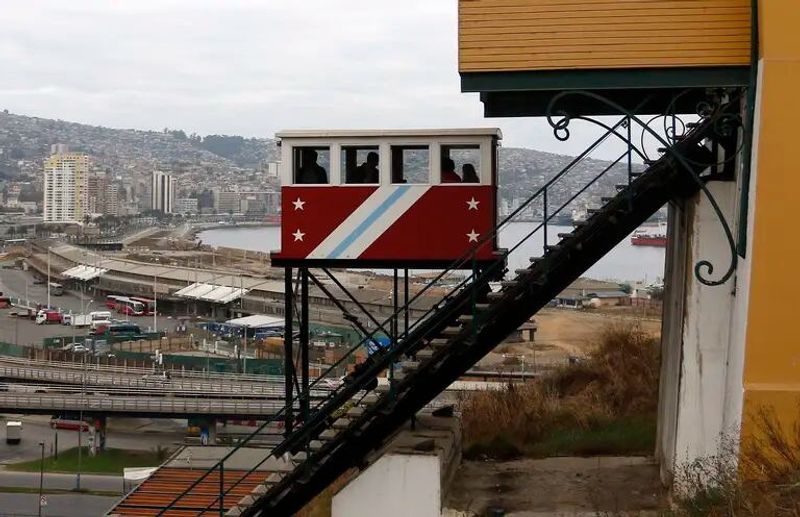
{"x":625,"y":262}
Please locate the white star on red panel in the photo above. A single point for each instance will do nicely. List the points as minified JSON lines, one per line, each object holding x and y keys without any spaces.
{"x":298,"y":204}
{"x":472,"y":204}
{"x":298,"y":235}
{"x":473,"y":236}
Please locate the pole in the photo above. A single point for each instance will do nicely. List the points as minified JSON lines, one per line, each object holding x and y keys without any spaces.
{"x":48,"y":277}
{"x":304,"y":402}
{"x":241,"y":307}
{"x":80,"y":426}
{"x":41,"y":479}
{"x":155,"y":304}
{"x":288,"y":332}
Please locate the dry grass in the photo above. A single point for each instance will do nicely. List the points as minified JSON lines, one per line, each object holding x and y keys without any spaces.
{"x":619,"y":380}
{"x":764,"y":482}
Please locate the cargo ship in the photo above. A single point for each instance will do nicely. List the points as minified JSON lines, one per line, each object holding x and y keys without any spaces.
{"x":653,"y":236}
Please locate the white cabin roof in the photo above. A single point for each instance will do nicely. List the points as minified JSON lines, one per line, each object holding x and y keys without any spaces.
{"x":388,"y":133}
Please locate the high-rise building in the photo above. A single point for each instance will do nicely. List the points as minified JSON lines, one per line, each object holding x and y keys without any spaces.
{"x":162,"y":192}
{"x":65,"y":186}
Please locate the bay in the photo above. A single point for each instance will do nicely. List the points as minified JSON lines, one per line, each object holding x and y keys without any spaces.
{"x":626,"y":262}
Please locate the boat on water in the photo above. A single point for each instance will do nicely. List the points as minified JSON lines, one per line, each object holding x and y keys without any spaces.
{"x":650,"y":236}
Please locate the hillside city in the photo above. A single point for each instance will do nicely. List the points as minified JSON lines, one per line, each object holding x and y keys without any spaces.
{"x":215,"y":175}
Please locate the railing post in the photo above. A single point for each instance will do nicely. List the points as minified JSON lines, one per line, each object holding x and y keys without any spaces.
{"x":544,"y":218}
{"x":221,"y":489}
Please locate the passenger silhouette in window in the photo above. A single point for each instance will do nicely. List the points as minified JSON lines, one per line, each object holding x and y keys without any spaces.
{"x":468,"y":174}
{"x":449,"y":171}
{"x":368,"y":172}
{"x":311,"y":171}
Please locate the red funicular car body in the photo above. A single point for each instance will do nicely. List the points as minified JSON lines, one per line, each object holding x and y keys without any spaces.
{"x":399,"y":198}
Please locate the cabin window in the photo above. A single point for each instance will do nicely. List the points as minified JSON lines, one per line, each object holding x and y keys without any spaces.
{"x":461,"y":164}
{"x":361,"y":164}
{"x":312,"y":165}
{"x":410,"y":164}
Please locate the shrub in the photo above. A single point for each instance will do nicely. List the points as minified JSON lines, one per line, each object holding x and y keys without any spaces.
{"x":618,"y":380}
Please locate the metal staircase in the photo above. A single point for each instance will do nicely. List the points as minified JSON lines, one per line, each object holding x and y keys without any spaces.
{"x":345,"y":430}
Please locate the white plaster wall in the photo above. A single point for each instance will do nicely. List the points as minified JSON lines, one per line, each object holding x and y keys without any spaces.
{"x":397,"y":485}
{"x":706,"y":331}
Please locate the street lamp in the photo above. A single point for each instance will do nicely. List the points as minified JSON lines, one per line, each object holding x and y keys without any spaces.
{"x":41,"y":479}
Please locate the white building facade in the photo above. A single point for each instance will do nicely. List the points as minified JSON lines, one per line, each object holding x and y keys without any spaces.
{"x":65,"y":188}
{"x":162,"y":192}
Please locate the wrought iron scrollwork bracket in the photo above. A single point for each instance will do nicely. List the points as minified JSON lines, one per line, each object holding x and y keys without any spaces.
{"x":726,"y":126}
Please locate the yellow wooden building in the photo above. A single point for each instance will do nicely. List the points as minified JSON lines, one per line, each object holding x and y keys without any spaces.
{"x":728,"y":350}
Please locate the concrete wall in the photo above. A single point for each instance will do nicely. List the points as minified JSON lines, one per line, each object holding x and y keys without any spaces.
{"x":703,"y":330}
{"x":397,"y":485}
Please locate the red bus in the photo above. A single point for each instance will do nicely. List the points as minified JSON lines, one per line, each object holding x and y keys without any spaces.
{"x":130,"y":307}
{"x":112,"y":301}
{"x":149,"y":304}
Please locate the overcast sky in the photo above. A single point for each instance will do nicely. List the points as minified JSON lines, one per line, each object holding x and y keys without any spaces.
{"x":247,"y":67}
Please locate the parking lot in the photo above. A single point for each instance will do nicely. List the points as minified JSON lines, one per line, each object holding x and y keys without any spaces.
{"x":20,"y":284}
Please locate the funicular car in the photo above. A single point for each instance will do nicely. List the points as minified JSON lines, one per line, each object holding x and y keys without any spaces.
{"x":394,"y":198}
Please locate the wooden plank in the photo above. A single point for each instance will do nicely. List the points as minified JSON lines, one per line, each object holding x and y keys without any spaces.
{"x":667,"y":21}
{"x":637,"y":63}
{"x":725,"y":34}
{"x":576,"y":44}
{"x":529,"y":7}
{"x":568,"y":4}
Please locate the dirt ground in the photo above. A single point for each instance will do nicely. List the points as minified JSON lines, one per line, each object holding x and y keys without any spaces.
{"x":562,"y":333}
{"x":556,"y":486}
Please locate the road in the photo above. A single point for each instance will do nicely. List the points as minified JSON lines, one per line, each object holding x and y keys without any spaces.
{"x":123,"y":433}
{"x":60,"y":481}
{"x":58,"y":505}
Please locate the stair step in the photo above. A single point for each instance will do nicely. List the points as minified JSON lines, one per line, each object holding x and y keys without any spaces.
{"x":505,"y":284}
{"x":564,"y":235}
{"x":355,"y":412}
{"x":451,"y":331}
{"x":534,"y":260}
{"x":246,"y":501}
{"x":260,"y":489}
{"x":343,"y":423}
{"x":592,"y":211}
{"x":234,"y":512}
{"x":552,"y":247}
{"x":692,"y":125}
{"x":466,"y":318}
{"x":425,"y":354}
{"x":635,"y":174}
{"x":439,"y":343}
{"x":605,"y":200}
{"x":578,"y":223}
{"x":524,"y":271}
{"x":300,"y":457}
{"x":370,"y":399}
{"x":648,"y":162}
{"x":621,"y":186}
{"x":482,"y":307}
{"x":495,"y":295}
{"x":499,"y":252}
{"x":327,"y":434}
{"x":662,"y":150}
{"x":383,"y":388}
{"x":316,"y":445}
{"x":274,"y":478}
{"x":408,"y":365}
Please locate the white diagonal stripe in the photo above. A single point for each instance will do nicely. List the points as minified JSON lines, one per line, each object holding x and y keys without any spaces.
{"x":360,"y":229}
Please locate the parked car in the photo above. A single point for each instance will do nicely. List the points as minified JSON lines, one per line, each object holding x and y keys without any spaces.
{"x":80,"y":349}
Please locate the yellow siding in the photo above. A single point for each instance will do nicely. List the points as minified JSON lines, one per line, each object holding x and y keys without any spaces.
{"x":772,"y":356}
{"x":508,"y":35}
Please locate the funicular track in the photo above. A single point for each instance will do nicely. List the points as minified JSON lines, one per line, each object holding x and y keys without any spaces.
{"x":337,"y":435}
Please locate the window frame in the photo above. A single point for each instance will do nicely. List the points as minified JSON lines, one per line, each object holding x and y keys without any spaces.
{"x":410,"y":144}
